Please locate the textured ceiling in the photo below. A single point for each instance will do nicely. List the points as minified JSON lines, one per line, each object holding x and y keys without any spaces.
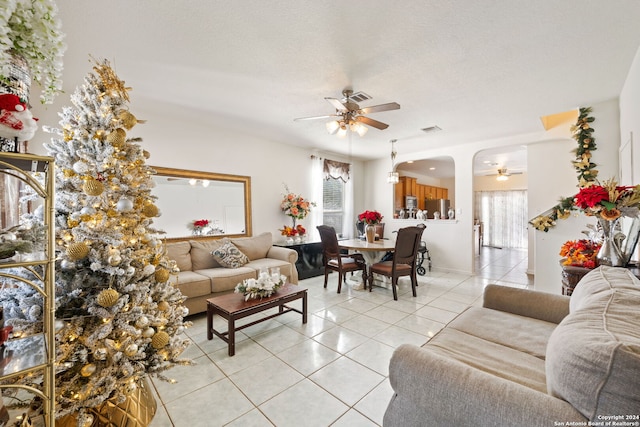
{"x":477,"y":69}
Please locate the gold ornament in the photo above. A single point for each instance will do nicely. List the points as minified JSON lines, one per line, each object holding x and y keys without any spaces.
{"x":128,"y":119}
{"x":77,"y":251}
{"x":149,"y":332}
{"x":108,"y":297}
{"x":88,"y":370}
{"x":163,"y":306}
{"x":162,"y":275}
{"x":160,"y":340}
{"x":68,"y":173}
{"x":131,"y":350}
{"x":93,"y":187}
{"x":114,"y":260}
{"x":150,"y":210}
{"x":117,"y":137}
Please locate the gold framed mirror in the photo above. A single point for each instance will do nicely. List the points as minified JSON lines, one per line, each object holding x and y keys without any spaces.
{"x":187,"y":196}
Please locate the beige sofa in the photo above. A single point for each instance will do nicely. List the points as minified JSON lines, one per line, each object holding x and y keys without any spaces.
{"x":201,"y":276}
{"x":528,"y":358}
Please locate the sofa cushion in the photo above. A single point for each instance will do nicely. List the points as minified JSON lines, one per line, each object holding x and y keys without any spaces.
{"x":229,"y":256}
{"x":510,"y":330}
{"x":201,"y":250}
{"x":495,"y":359}
{"x":601,"y":280}
{"x":226,"y":279}
{"x":593,"y":356}
{"x":192,"y":284}
{"x":179,"y":252}
{"x":254,"y":247}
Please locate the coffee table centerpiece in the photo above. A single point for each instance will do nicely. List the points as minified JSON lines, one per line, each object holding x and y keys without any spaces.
{"x":264,"y":286}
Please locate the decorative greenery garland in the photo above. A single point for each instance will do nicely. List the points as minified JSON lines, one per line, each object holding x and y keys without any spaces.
{"x":582,"y":133}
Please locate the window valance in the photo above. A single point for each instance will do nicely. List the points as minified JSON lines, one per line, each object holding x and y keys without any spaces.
{"x":336,"y":170}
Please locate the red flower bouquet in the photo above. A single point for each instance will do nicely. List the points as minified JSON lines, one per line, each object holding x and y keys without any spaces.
{"x":580,"y":253}
{"x":608,"y":201}
{"x":370,"y":217}
{"x":301,"y":230}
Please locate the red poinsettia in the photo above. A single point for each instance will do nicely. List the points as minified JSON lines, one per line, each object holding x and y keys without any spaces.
{"x":609,"y":201}
{"x":201,"y":223}
{"x":370,"y":217}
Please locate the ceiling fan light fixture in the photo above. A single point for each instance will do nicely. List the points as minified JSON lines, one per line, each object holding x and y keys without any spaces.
{"x":358,"y":127}
{"x":332,"y":127}
{"x":342,"y":131}
{"x":501,"y":177}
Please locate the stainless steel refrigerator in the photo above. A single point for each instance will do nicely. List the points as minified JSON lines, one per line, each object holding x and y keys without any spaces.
{"x":439,"y":205}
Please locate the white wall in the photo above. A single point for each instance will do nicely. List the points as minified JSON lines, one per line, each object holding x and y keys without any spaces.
{"x":552,"y":176}
{"x":630,"y":115}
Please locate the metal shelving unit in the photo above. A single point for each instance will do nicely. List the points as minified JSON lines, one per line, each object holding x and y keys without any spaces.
{"x":37,"y":352}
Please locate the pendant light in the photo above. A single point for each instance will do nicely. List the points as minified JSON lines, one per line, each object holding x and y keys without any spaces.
{"x":393,"y":177}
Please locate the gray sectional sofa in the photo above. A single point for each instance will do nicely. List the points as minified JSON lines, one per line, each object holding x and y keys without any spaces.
{"x":528,"y":358}
{"x":202,"y":277}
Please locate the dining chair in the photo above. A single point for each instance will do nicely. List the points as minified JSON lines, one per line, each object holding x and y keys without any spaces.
{"x":404,"y":262}
{"x":334,"y":260}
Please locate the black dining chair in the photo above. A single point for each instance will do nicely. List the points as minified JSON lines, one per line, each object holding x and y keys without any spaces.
{"x":404,"y":262}
{"x":334,"y":260}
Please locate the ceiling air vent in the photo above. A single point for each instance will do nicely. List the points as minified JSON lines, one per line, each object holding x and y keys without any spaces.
{"x":431,"y":129}
{"x":359,"y":97}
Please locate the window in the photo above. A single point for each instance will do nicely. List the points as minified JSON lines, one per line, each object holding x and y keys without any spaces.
{"x":333,"y":203}
{"x":504,"y":218}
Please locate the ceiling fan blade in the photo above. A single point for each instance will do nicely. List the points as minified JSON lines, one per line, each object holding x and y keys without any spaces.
{"x":381,"y":107}
{"x":316,"y":117}
{"x":373,"y":123}
{"x":337,"y":104}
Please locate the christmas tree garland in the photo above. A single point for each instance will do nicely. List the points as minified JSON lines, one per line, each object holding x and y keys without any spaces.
{"x":582,"y":133}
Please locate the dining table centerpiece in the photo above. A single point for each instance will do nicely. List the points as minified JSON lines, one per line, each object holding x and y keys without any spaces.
{"x":370,"y":218}
{"x":609,"y":203}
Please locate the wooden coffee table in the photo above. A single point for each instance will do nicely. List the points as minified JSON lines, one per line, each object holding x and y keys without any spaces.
{"x":233,"y":307}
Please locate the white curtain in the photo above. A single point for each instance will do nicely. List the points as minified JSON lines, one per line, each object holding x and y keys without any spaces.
{"x":316,"y":196}
{"x":503,"y":215}
{"x":348,"y":225}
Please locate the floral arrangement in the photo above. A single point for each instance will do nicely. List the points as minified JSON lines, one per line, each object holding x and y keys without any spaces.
{"x":370,"y":217}
{"x":301,"y":230}
{"x":580,"y":253}
{"x":198,"y":224}
{"x":288,"y":231}
{"x":295,"y":206}
{"x":609,"y":201}
{"x":31,"y":29}
{"x":262,"y":287}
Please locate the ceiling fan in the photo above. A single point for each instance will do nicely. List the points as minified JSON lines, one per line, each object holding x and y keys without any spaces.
{"x":349,"y":114}
{"x":503,"y":175}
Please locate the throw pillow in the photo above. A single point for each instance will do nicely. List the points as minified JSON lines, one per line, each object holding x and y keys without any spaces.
{"x":201,"y":251}
{"x":229,"y":256}
{"x":254,"y":247}
{"x":179,"y":252}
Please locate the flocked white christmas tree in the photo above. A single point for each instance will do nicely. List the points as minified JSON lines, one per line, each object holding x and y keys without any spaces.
{"x":119,"y":317}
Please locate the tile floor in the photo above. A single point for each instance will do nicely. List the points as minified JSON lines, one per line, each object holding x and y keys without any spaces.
{"x":333,"y":371}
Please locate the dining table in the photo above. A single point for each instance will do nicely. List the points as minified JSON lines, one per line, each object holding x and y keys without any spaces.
{"x":372,"y":253}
